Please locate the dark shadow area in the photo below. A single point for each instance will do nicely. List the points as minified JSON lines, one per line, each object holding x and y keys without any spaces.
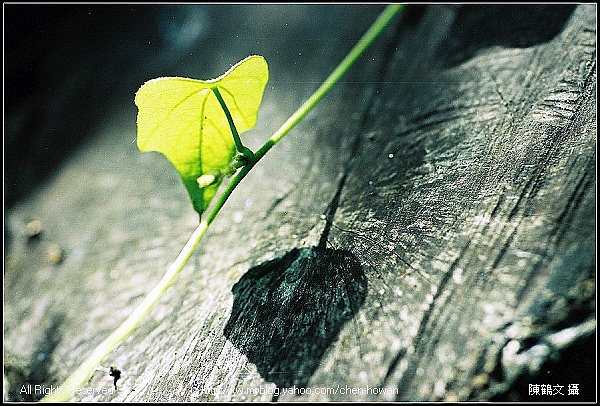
{"x":67,"y":66}
{"x":514,"y":26}
{"x":287,"y":312}
{"x":412,"y":16}
{"x":24,"y":384}
{"x":569,"y":377}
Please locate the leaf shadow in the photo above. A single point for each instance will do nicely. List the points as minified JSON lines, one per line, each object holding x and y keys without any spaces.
{"x":286,"y":312}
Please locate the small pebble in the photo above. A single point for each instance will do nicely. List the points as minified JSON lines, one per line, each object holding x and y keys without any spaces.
{"x":55,"y":254}
{"x":34,"y":229}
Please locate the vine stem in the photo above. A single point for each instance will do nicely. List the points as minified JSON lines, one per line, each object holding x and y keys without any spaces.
{"x":78,"y":378}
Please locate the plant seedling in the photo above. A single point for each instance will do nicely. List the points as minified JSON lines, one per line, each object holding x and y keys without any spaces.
{"x":196,"y":125}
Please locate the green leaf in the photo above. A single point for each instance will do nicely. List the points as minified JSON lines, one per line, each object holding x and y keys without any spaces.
{"x":182,"y":119}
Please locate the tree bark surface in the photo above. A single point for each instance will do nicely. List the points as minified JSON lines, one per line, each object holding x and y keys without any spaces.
{"x":426,"y":233}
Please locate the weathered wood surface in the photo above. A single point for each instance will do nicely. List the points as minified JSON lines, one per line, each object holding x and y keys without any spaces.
{"x":429,"y":231}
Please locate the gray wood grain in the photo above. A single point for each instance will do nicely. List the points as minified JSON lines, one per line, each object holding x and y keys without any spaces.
{"x":428,"y":233}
